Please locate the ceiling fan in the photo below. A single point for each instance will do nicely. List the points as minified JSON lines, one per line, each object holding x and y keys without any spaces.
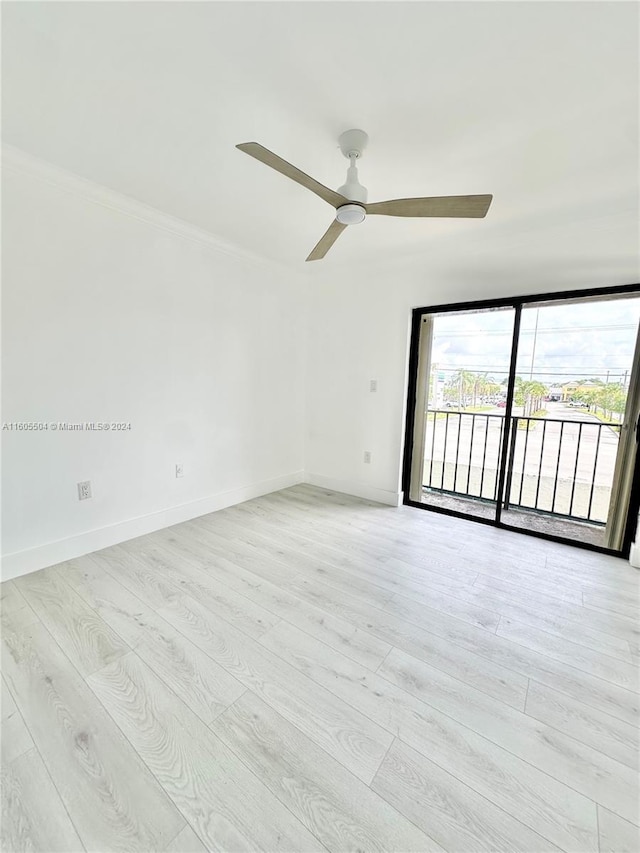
{"x":350,"y":201}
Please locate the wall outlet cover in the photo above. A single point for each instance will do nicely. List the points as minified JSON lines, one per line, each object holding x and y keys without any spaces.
{"x":84,"y":490}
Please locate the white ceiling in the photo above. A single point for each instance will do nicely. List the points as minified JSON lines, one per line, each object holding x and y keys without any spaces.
{"x":535,"y":102}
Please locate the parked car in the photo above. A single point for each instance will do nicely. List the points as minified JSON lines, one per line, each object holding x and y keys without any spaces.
{"x":578,"y":404}
{"x":501,"y":404}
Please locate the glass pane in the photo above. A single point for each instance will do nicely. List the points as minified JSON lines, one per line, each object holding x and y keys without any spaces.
{"x":467,"y":388}
{"x":573,"y":374}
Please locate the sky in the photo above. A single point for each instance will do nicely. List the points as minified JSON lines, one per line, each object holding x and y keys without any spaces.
{"x":580,"y":341}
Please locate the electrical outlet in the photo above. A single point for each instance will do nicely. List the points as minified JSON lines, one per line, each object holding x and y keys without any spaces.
{"x":84,"y":490}
{"x":179,"y":470}
{"x":367,"y":456}
{"x":373,"y":385}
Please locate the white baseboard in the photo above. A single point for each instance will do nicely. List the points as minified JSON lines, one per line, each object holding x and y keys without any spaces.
{"x":23,"y":562}
{"x":356,"y":488}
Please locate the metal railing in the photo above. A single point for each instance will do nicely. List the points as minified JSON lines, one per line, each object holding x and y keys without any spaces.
{"x":558,"y":467}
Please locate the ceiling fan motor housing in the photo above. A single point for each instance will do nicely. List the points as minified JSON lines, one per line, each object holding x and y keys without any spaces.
{"x":353,"y":189}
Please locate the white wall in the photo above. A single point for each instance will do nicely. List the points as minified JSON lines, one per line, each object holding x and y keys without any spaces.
{"x":359,"y":329}
{"x":108,"y":317}
{"x":251,"y":375}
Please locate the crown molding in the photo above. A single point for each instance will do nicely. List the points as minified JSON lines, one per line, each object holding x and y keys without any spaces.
{"x":16,"y":160}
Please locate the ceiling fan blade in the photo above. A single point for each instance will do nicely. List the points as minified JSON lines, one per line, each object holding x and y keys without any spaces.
{"x":327,"y":240}
{"x":267,"y":157}
{"x":463,"y":206}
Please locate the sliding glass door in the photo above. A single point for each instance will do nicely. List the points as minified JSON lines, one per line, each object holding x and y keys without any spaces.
{"x":464,"y":369}
{"x":524,"y":414}
{"x":572,"y":417}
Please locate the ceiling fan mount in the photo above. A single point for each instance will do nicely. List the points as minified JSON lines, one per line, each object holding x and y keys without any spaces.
{"x":352,"y":143}
{"x":350,"y":200}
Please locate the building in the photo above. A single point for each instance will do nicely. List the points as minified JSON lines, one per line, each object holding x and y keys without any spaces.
{"x":570,"y":389}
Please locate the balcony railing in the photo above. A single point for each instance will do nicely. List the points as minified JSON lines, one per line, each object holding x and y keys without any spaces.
{"x":558,"y":467}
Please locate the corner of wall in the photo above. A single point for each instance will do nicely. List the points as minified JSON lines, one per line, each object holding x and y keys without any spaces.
{"x":33,"y":559}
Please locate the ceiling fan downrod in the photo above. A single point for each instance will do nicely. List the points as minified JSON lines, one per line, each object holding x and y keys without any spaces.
{"x":352,"y":144}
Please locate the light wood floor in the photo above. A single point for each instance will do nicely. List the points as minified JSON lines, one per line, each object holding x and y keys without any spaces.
{"x":308,"y":672}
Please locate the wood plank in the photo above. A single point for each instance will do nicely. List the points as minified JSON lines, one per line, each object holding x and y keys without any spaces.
{"x":11,"y":599}
{"x":226,"y":603}
{"x":85,"y":638}
{"x":201,"y":683}
{"x":142,"y":580}
{"x":533,"y":556}
{"x":617,"y":835}
{"x":473,"y":643}
{"x":221,"y":799}
{"x":577,"y":765}
{"x":599,"y":570}
{"x":239,"y":552}
{"x":601,"y":666}
{"x":112,"y":798}
{"x":15,"y":736}
{"x":33,"y":817}
{"x":340,"y":810}
{"x":627,"y":606}
{"x":497,"y":577}
{"x":572,"y":622}
{"x":369,"y":540}
{"x":336,"y":632}
{"x":345,"y":530}
{"x":186,"y":842}
{"x":416,"y":607}
{"x":564,"y":582}
{"x":341,"y":730}
{"x":545,"y":805}
{"x":608,"y":623}
{"x":607,"y":734}
{"x":450,"y":811}
{"x":8,"y":706}
{"x":494,"y":679}
{"x":320,"y":505}
{"x":286,"y":545}
{"x":344,"y":580}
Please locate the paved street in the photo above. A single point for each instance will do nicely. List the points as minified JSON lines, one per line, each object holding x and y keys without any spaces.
{"x":568,"y":447}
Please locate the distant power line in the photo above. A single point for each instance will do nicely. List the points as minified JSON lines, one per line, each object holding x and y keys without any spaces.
{"x":553,"y":330}
{"x":610,"y":373}
{"x":480,"y":355}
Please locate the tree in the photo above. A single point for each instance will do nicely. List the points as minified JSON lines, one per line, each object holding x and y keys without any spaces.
{"x":610,"y":399}
{"x":464,"y":381}
{"x":529,"y":395}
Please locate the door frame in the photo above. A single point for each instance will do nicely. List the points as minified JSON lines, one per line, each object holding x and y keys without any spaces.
{"x":517,"y":303}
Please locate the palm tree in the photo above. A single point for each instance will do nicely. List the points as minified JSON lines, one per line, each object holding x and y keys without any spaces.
{"x":529,"y":395}
{"x":465,"y":381}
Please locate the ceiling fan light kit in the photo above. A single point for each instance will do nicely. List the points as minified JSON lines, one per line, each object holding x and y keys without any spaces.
{"x":350,"y":200}
{"x":351,"y":214}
